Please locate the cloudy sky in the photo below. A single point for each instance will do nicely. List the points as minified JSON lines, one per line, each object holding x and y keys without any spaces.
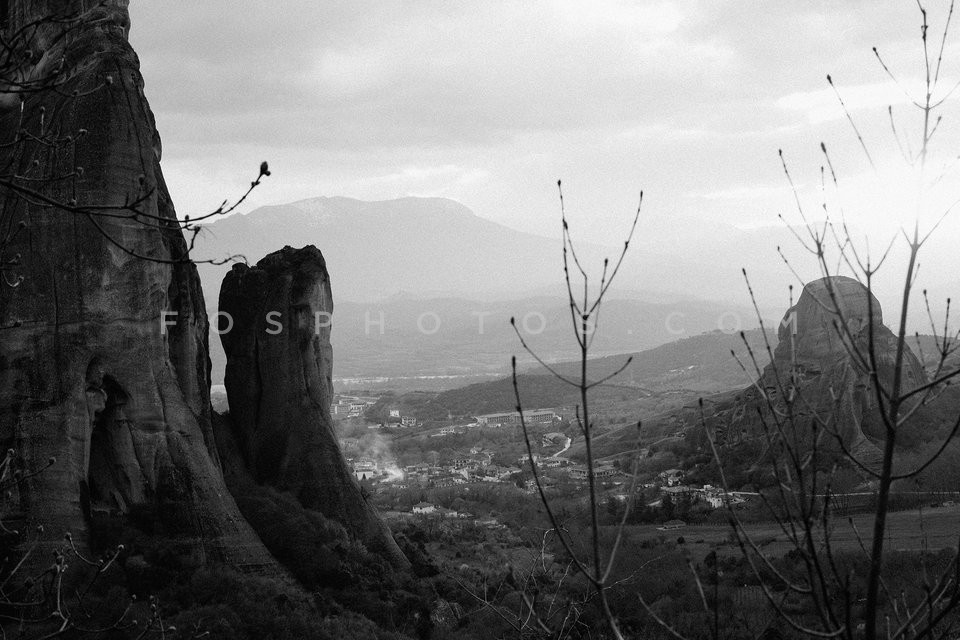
{"x":489,"y":103}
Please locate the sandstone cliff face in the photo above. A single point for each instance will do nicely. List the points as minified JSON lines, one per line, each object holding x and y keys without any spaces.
{"x":87,"y":373}
{"x":808,"y":334}
{"x":278,"y":381}
{"x":810,"y":340}
{"x":812,"y":362}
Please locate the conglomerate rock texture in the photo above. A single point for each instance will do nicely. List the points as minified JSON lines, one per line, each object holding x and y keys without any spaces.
{"x":275,"y":323}
{"x":89,"y":375}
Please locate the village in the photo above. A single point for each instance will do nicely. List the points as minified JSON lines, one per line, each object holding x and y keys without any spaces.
{"x":374,"y":458}
{"x":468,"y":470}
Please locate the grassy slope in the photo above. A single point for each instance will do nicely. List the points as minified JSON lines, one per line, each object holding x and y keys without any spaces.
{"x":701,"y":364}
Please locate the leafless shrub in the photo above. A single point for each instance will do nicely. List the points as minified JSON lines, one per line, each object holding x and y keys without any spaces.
{"x":58,"y":598}
{"x":804,"y":435}
{"x":598,"y":567}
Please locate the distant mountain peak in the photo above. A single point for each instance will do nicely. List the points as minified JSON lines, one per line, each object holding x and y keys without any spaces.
{"x":406,"y":205}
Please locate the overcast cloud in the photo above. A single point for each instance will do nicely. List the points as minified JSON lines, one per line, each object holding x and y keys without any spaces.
{"x":489,"y":103}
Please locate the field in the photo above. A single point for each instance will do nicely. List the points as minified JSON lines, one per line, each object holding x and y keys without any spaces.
{"x":931,"y":528}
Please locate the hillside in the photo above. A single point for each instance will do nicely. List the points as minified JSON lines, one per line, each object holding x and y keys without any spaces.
{"x":700,"y":363}
{"x":738,"y":416}
{"x":654,"y":381}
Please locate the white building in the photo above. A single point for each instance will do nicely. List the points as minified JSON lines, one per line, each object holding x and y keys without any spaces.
{"x":536,"y":416}
{"x":424,"y":507}
{"x":365,"y":470}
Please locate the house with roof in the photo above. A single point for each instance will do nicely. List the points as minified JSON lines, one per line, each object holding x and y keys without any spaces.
{"x":524,"y":460}
{"x":424,"y":508}
{"x":535,"y":416}
{"x":579,"y":472}
{"x":671,"y":477}
{"x":365,"y":469}
{"x":678,"y":490}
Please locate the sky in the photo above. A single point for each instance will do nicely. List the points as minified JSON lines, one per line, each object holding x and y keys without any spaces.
{"x":489,"y":103}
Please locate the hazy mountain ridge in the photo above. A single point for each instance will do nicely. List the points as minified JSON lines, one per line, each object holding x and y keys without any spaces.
{"x":376,"y":249}
{"x":440,"y":248}
{"x":433,"y":260}
{"x":704,"y":363}
{"x":453,"y":336}
{"x":693,"y":365}
{"x":403,"y":252}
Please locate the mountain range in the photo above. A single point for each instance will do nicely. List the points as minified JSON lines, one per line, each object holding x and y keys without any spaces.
{"x":434,"y":261}
{"x":422,"y":286}
{"x":436,"y":247}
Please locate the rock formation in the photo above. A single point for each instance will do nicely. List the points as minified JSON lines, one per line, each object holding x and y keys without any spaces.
{"x":809,"y":337}
{"x":812,"y":345}
{"x":275,"y":328}
{"x":89,"y":375}
{"x":813,"y":360}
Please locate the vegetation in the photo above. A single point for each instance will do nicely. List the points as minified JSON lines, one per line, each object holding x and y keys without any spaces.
{"x":801,"y":441}
{"x":652,"y":382}
{"x":804,"y":558}
{"x":808,"y":436}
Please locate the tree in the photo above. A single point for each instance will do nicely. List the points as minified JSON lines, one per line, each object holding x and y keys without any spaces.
{"x":667,"y":507}
{"x":819,"y":590}
{"x":823,"y":591}
{"x":598,"y":565}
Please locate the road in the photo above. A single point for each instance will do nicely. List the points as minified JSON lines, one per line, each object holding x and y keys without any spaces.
{"x":566,"y":445}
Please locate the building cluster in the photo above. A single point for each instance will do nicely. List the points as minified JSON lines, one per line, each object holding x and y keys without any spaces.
{"x":511,"y":418}
{"x":670,"y":483}
{"x":430,"y":510}
{"x":375,"y":471}
{"x":366,"y":469}
{"x":600,"y":471}
{"x":463,"y":469}
{"x":344,"y":406}
{"x":454,"y":430}
{"x":398,"y":420}
{"x":460,"y":468}
{"x":477,"y":466}
{"x":350,"y":406}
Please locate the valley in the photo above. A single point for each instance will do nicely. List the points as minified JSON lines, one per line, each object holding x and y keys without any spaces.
{"x":552,"y":321}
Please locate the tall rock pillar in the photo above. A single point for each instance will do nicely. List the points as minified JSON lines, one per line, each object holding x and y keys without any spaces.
{"x":275,"y":328}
